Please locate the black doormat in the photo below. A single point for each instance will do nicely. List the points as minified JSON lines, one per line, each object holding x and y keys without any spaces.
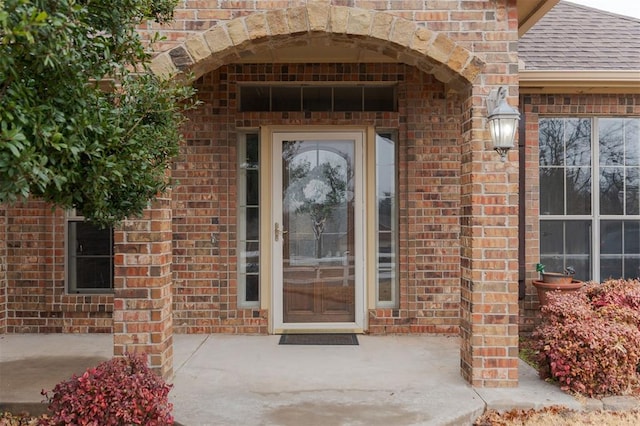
{"x":318,"y":339}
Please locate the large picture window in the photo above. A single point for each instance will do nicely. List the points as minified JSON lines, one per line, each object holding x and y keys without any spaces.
{"x":89,"y":256}
{"x":590,"y":196}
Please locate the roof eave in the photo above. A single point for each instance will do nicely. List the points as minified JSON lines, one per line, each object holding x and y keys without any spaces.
{"x":584,"y":81}
{"x":530,"y":12}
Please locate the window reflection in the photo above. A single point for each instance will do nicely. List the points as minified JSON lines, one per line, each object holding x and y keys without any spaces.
{"x":387,"y":220}
{"x":578,"y":186}
{"x":620,"y":248}
{"x":566,"y":243}
{"x":566,"y":179}
{"x":619,"y":146}
{"x":632,"y":189}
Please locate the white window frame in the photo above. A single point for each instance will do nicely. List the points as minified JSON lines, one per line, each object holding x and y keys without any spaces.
{"x":595,"y":217}
{"x":395,"y":288}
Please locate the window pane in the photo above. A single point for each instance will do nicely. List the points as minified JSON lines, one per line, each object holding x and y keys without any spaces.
{"x":632,"y":237}
{"x":611,"y":190}
{"x":253,"y":189}
{"x":551,"y":139}
{"x":551,"y":191}
{"x":578,"y":141}
{"x":611,"y":237}
{"x":611,"y":141}
{"x":632,"y":191}
{"x":90,"y":256}
{"x":94,"y":273}
{"x":252,"y":293}
{"x":317,"y":98}
{"x":379,"y":99}
{"x":91,"y":240}
{"x":632,"y":267}
{"x":254,"y":98}
{"x":386,"y":219}
{"x":632,"y":142}
{"x":566,"y":243}
{"x":551,"y":237}
{"x":286,"y":98}
{"x":252,"y":223}
{"x":578,"y":190}
{"x":610,"y":267}
{"x":619,"y":249}
{"x":347,"y":98}
{"x":251,"y":257}
{"x":578,"y":237}
{"x":252,"y":148}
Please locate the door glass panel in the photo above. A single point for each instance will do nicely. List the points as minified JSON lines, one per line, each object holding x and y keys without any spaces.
{"x":318,"y":231}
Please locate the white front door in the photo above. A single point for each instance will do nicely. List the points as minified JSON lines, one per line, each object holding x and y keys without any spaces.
{"x":318,"y":231}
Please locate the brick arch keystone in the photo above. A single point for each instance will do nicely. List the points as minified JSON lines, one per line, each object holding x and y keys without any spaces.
{"x":393,"y":36}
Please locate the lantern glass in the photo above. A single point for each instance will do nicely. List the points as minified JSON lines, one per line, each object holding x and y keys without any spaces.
{"x":503,"y":121}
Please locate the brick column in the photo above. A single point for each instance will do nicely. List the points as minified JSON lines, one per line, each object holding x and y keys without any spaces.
{"x":3,"y":270}
{"x":489,"y":254}
{"x":142,"y":318}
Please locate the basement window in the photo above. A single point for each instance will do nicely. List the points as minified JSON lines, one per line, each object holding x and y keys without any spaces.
{"x":317,"y":98}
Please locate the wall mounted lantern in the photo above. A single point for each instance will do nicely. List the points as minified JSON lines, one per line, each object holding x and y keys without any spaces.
{"x":503,"y":121}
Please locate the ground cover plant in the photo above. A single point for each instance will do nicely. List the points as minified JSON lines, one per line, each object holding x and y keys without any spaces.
{"x":557,"y":416}
{"x":120,"y":391}
{"x":589,"y":341}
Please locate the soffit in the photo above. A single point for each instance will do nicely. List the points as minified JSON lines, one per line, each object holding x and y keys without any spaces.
{"x":581,"y":82}
{"x":530,"y":12}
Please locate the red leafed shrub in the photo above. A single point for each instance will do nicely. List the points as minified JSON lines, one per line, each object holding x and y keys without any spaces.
{"x":590,"y":340}
{"x":121,"y":391}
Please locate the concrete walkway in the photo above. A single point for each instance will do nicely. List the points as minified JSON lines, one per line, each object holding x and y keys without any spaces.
{"x":251,"y":380}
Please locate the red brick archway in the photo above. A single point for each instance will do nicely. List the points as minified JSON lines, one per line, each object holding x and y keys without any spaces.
{"x":399,"y":39}
{"x":488,"y":189}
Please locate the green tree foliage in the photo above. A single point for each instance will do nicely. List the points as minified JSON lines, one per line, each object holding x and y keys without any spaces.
{"x":82,"y":123}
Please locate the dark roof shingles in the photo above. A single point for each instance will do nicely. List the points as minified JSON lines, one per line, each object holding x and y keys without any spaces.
{"x":574,"y":37}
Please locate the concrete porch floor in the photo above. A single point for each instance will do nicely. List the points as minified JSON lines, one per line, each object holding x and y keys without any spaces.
{"x":251,"y":380}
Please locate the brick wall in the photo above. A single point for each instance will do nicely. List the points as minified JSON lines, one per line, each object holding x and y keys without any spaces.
{"x":205,"y":287}
{"x":448,"y":170}
{"x":534,"y":107}
{"x":3,"y":269}
{"x":143,"y":317}
{"x":37,"y":300}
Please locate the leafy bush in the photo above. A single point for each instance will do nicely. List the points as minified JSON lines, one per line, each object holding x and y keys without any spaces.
{"x":590,"y":340}
{"x":121,"y":391}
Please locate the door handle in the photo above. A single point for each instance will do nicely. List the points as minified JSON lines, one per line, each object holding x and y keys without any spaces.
{"x":279,"y":232}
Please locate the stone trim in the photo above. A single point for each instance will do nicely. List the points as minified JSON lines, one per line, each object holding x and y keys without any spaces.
{"x":393,"y":36}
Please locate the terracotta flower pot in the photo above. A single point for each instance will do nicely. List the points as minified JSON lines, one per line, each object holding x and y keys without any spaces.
{"x":556,"y":278}
{"x":544,"y":287}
